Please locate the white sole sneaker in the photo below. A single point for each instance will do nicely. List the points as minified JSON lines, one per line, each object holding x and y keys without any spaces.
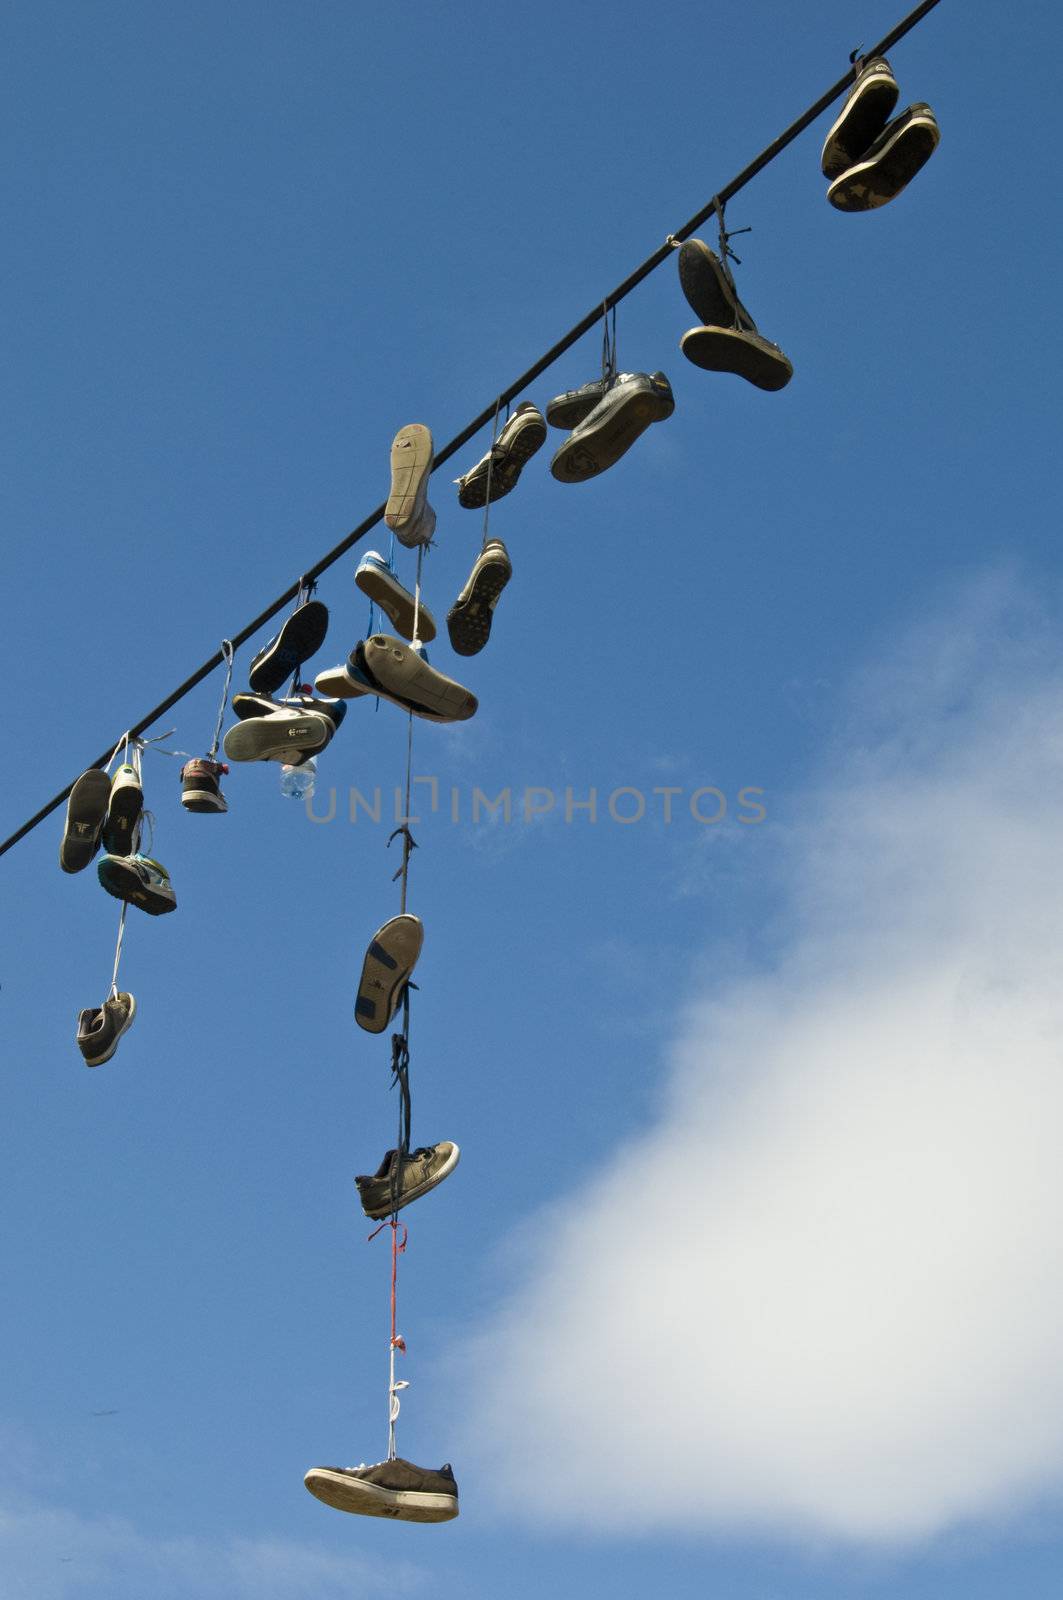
{"x":344,"y":1493}
{"x":411,"y":464}
{"x":397,"y":673}
{"x":275,"y":737}
{"x":376,"y":580}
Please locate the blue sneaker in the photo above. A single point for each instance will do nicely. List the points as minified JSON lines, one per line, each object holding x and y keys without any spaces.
{"x":139,"y":881}
{"x":375,"y":578}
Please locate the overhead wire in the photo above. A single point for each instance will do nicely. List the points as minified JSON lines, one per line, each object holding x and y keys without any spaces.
{"x":576,"y":332}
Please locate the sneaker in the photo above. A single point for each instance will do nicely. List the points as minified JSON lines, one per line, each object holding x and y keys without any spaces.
{"x":140,"y":881}
{"x":338,"y":684}
{"x":274,"y":736}
{"x":395,"y":1489}
{"x":389,"y":961}
{"x":868,"y":107}
{"x":200,"y":789}
{"x":469,"y":618}
{"x":101,"y":1027}
{"x":411,"y":465}
{"x":630,"y":404}
{"x":523,"y":434}
{"x":569,"y":409}
{"x":749,"y":355}
{"x":398,"y":1180}
{"x":905,"y":145}
{"x":124,"y":805}
{"x":386,"y":667}
{"x":86,"y":810}
{"x":301,"y":637}
{"x":708,"y":289}
{"x":375,"y":578}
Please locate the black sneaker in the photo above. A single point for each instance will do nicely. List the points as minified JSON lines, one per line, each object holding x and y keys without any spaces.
{"x":523,"y":434}
{"x":140,"y":881}
{"x":395,"y":1489}
{"x":85,"y":813}
{"x":301,"y":637}
{"x":868,"y":107}
{"x":631,"y":403}
{"x":200,"y":788}
{"x":124,"y":805}
{"x":569,"y":409}
{"x":904,"y":146}
{"x":708,"y":290}
{"x":469,"y":618}
{"x":101,"y":1027}
{"x":749,"y":355}
{"x":398,"y":1180}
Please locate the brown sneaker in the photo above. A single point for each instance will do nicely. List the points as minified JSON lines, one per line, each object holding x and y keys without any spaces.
{"x":395,"y":1489}
{"x":397,"y":1180}
{"x":200,"y":788}
{"x":737,"y":350}
{"x":904,"y":146}
{"x":389,"y":963}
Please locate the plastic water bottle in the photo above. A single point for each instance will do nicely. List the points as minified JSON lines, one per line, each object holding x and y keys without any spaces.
{"x":298,"y":782}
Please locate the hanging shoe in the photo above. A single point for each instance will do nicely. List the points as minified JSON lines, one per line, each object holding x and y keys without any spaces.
{"x":139,"y":881}
{"x":387,"y":1190}
{"x":868,"y":107}
{"x":338,"y":683}
{"x":749,"y":355}
{"x":375,"y":578}
{"x":395,"y":1489}
{"x":101,"y":1027}
{"x":708,"y":289}
{"x":301,"y":637}
{"x":386,"y":667}
{"x":389,"y":961}
{"x":569,"y":409}
{"x":200,"y":786}
{"x":524,"y":433}
{"x":905,"y":145}
{"x":124,"y":805}
{"x":275,"y":735}
{"x":631,"y":403}
{"x":469,"y":618}
{"x":411,"y":466}
{"x":86,"y":810}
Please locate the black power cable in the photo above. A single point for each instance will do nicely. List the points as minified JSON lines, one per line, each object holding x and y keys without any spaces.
{"x":583,"y":326}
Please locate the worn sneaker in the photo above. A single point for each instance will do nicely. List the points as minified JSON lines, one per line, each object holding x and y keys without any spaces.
{"x":905,"y":145}
{"x":708,"y":288}
{"x":386,"y":667}
{"x":868,"y":107}
{"x":140,"y":881}
{"x":101,"y":1027}
{"x":469,"y":618}
{"x":749,"y":355}
{"x":398,"y":1180}
{"x":523,"y":434}
{"x":200,"y":788}
{"x":395,"y":1489}
{"x":86,"y":810}
{"x":389,"y":961}
{"x":569,"y":409}
{"x":376,"y":579}
{"x":411,"y":466}
{"x":124,"y":805}
{"x":301,"y":637}
{"x":629,"y":406}
{"x":274,"y":736}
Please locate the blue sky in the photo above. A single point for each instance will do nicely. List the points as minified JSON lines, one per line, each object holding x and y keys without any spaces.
{"x":747,"y":1281}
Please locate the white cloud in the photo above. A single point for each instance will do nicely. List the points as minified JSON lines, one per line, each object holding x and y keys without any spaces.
{"x":823,"y":1295}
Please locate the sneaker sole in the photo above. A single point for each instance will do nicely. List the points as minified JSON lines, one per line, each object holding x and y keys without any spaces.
{"x":86,"y":808}
{"x":707,"y":291}
{"x":891,"y":170}
{"x":124,"y":882}
{"x":97,"y":1061}
{"x":261,"y":739}
{"x":469,"y":619}
{"x":396,"y":603}
{"x":301,"y":637}
{"x":731,"y":350}
{"x":423,"y":691}
{"x":580,"y":459}
{"x":119,"y":827}
{"x":377,"y":1215}
{"x":411,"y":465}
{"x":863,"y":116}
{"x":370,"y":1500}
{"x":392,"y":955}
{"x":526,"y":440}
{"x":203,"y":800}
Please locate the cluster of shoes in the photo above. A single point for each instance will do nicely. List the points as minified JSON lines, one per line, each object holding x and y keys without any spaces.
{"x":868,"y":158}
